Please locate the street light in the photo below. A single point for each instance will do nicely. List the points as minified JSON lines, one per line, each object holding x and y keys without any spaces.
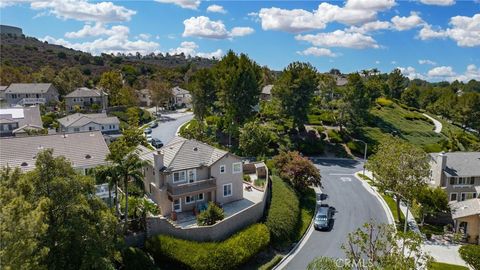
{"x":406,"y":217}
{"x":364,"y":154}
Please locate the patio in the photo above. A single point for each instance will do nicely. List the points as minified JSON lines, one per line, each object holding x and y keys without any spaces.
{"x":250,"y":197}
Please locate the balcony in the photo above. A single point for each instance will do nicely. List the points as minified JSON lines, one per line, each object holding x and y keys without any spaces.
{"x":176,"y":191}
{"x":32,"y":101}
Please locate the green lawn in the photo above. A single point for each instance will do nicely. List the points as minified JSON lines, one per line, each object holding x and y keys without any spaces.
{"x":445,"y":266}
{"x":393,"y":207}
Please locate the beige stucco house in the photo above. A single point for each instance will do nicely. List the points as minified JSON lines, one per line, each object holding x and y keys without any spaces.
{"x":26,"y":94}
{"x":458,"y":173}
{"x":466,"y":215}
{"x":84,"y":98}
{"x":186,"y":174}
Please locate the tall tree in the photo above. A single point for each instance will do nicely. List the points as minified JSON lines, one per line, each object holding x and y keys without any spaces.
{"x":356,"y":96}
{"x":411,"y":96}
{"x":202,"y":88}
{"x":68,"y":79}
{"x":238,"y":88}
{"x":432,"y":201}
{"x":400,"y":167}
{"x":161,"y":92}
{"x":396,"y":83}
{"x":468,"y":110}
{"x":295,"y":89}
{"x":255,"y":139}
{"x":44,"y":75}
{"x":112,"y":83}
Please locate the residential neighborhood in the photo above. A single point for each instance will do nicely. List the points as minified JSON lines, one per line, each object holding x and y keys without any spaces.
{"x":263,"y":135}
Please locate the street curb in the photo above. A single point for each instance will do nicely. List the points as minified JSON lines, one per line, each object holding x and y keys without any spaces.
{"x":384,"y":204}
{"x":177,"y":133}
{"x":289,"y":256}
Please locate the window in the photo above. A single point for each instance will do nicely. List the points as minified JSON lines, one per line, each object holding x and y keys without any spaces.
{"x":453,"y":196}
{"x":463,"y":196}
{"x":103,"y":127}
{"x":76,"y":129}
{"x":472,"y":180}
{"x":222,"y":168}
{"x":452,"y":181}
{"x":227,"y":190}
{"x":176,"y":205}
{"x":237,"y":167}
{"x":200,"y":197}
{"x":193,"y":198}
{"x":179,"y":176}
{"x":471,"y":195}
{"x":192,"y":175}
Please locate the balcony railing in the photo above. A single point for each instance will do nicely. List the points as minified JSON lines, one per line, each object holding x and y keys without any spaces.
{"x":187,"y":188}
{"x":31,"y":101}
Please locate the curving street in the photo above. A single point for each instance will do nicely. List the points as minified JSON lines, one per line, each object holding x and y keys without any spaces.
{"x":168,"y":125}
{"x":354,"y":203}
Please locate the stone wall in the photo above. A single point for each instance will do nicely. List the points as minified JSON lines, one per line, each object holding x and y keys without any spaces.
{"x":217,"y":232}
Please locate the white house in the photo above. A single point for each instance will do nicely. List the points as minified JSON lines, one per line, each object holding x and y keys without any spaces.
{"x":79,"y":122}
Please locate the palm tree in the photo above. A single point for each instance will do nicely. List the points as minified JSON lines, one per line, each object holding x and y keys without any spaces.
{"x":109,"y":174}
{"x":129,"y":168}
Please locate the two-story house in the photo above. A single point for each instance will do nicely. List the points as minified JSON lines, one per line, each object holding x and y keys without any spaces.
{"x":19,"y":121}
{"x":84,"y":98}
{"x":458,"y":173}
{"x":187,"y":173}
{"x":79,"y":122}
{"x":181,"y":97}
{"x":26,"y":94}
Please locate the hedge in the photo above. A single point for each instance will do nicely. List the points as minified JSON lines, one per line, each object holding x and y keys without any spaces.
{"x":283,"y":214}
{"x":228,"y":254}
{"x":471,"y":255}
{"x":135,"y":258}
{"x":384,"y":102}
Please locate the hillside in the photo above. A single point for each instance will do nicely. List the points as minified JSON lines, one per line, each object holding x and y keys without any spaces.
{"x":30,"y":54}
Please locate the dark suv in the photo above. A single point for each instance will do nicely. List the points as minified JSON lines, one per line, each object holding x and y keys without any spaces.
{"x":157,"y":143}
{"x":323,"y":217}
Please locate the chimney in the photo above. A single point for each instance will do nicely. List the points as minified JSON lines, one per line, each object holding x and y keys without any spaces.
{"x":158,"y":160}
{"x":442,"y":160}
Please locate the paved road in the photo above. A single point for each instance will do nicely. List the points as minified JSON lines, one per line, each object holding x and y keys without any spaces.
{"x":355,"y":205}
{"x":168,"y":126}
{"x":438,"y":124}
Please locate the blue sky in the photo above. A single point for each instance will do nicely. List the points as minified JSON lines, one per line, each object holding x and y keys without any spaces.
{"x":428,"y":39}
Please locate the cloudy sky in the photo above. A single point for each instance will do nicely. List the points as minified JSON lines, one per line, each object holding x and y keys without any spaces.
{"x":428,"y":39}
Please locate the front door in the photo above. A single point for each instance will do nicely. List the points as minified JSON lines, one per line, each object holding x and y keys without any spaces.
{"x":177,"y":206}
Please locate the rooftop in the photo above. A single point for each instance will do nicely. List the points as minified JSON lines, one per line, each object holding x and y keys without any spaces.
{"x":267,"y":89}
{"x":462,"y":163}
{"x":85,"y":92}
{"x":179,"y":91}
{"x":84,"y":149}
{"x":465,"y":208}
{"x":28,"y":88}
{"x":80,"y":119}
{"x":24,"y":116}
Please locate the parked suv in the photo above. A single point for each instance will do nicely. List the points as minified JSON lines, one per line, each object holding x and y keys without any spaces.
{"x":323,"y":217}
{"x":157,"y":143}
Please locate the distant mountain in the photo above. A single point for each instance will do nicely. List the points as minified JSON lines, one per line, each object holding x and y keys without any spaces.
{"x":31,"y":54}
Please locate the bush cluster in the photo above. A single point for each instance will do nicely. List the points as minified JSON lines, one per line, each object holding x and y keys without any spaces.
{"x":384,"y":102}
{"x":228,"y":254}
{"x":415,"y":116}
{"x":211,"y":215}
{"x":283,"y":215}
{"x":471,"y":255}
{"x":334,"y":136}
{"x":135,"y":258}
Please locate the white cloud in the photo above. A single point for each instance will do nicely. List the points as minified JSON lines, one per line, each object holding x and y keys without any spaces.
{"x":427,"y":62}
{"x":377,"y":62}
{"x":216,"y":8}
{"x":204,"y":27}
{"x":464,"y":30}
{"x":98,"y":29}
{"x":82,"y":10}
{"x":190,"y":4}
{"x":442,"y":71}
{"x":411,"y":73}
{"x":438,"y":2}
{"x":315,"y":51}
{"x":144,"y":36}
{"x":298,"y":20}
{"x":340,"y":38}
{"x":472,"y":73}
{"x":406,"y":23}
{"x":117,"y":41}
{"x":189,"y":48}
{"x":370,"y":27}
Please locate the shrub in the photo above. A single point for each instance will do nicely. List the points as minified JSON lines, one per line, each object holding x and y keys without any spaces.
{"x":61,"y":55}
{"x":314,"y":119}
{"x":327,"y":118}
{"x":272,"y":263}
{"x":135,"y":258}
{"x":471,"y":255}
{"x":356,"y":147}
{"x":211,"y":215}
{"x":414,"y":116}
{"x":247,"y":178}
{"x":228,"y":254}
{"x":283,"y":213}
{"x":334,"y":136}
{"x":212,"y":120}
{"x":260,"y":182}
{"x":384,"y":102}
{"x":311,"y":144}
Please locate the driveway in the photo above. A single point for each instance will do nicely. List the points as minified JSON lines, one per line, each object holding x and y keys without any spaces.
{"x":355,"y":206}
{"x":168,"y":125}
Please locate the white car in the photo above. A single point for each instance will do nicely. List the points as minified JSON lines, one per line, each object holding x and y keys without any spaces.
{"x":149,"y":137}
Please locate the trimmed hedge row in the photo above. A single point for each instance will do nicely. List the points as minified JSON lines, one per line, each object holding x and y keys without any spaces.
{"x":471,"y":255}
{"x":228,"y":254}
{"x":283,"y":213}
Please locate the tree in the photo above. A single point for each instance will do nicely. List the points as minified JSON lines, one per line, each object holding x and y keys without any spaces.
{"x":109,"y":174}
{"x":112,"y":83}
{"x":211,"y":215}
{"x":396,"y":83}
{"x":356,"y":96}
{"x":411,"y":96}
{"x":161,"y":93}
{"x":68,"y":79}
{"x":44,"y":75}
{"x":380,"y":247}
{"x":445,"y":104}
{"x":299,"y":171}
{"x":238,"y":88}
{"x":295,"y":89}
{"x":255,"y":139}
{"x":468,"y":110}
{"x":325,"y":263}
{"x":399,"y":167}
{"x":202,"y":88}
{"x":432,"y":201}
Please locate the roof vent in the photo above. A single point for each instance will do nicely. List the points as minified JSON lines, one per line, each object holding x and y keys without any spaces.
{"x":88,"y":156}
{"x":40,"y":147}
{"x":24,"y":164}
{"x":195,"y":149}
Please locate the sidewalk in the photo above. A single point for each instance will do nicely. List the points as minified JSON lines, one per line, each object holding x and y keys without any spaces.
{"x":412,"y":223}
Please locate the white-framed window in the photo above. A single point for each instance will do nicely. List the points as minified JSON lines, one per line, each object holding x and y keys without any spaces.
{"x":453,"y":196}
{"x":200,"y":197}
{"x":179,"y":176}
{"x":177,"y":205}
{"x":222,"y":168}
{"x":194,"y":198}
{"x":192,"y":175}
{"x":463,"y":196}
{"x":227,"y":190}
{"x":237,"y":167}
